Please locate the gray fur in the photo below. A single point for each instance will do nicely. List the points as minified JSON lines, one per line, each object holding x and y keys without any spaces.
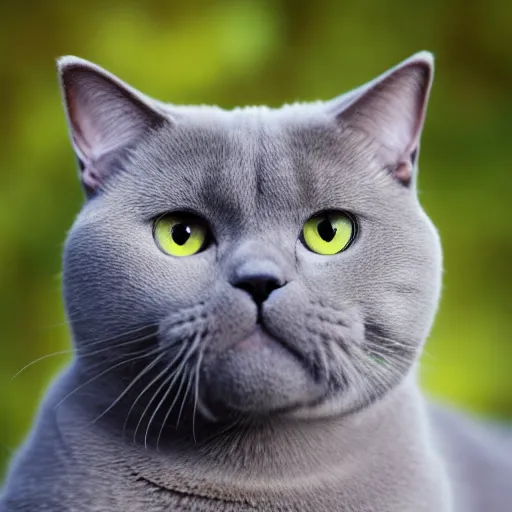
{"x":170,"y":404}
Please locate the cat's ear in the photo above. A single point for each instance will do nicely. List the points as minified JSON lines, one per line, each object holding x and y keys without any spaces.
{"x":391,"y":110}
{"x":105,"y":117}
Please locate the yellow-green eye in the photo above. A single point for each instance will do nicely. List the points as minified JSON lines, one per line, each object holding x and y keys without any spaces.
{"x":180,"y":234}
{"x":328,"y":233}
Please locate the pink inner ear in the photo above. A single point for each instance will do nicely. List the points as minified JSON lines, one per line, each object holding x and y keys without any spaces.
{"x":105,"y":116}
{"x":391,"y":110}
{"x":102,"y":118}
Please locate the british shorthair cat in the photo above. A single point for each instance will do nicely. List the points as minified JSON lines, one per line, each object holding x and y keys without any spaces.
{"x":249,"y":292}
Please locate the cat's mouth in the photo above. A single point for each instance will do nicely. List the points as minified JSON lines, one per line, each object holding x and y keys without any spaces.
{"x":262,"y":337}
{"x":260,"y":374}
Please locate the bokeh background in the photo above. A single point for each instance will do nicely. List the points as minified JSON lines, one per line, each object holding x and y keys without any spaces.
{"x":248,"y":51}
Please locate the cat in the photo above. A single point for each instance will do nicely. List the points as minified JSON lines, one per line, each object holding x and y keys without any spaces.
{"x":249,"y":292}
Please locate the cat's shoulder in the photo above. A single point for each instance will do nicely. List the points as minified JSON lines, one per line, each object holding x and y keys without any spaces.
{"x":477,"y":454}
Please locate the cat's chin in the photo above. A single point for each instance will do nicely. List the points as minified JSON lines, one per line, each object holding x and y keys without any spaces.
{"x":258,"y":375}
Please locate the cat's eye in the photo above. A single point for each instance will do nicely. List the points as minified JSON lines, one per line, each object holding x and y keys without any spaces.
{"x":329,"y":232}
{"x":181,"y":234}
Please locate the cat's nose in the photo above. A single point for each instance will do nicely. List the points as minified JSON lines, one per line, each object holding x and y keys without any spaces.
{"x":258,"y":286}
{"x":259,"y":281}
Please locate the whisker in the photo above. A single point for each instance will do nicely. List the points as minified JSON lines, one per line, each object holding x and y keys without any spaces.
{"x":177,"y":373}
{"x":193,"y":348}
{"x":68,"y":322}
{"x":149,"y":350}
{"x":179,"y":370}
{"x":60,"y":352}
{"x":86,"y":354}
{"x":152,"y":383}
{"x":155,"y":394}
{"x":205,"y":411}
{"x":388,"y":356}
{"x":182,"y":349}
{"x":390,"y":351}
{"x":121,"y":356}
{"x":379,"y":372}
{"x":184,"y":401}
{"x":351,"y":372}
{"x":92,"y":342}
{"x":196,"y":392}
{"x":171,"y":407}
{"x":89,"y":381}
{"x":146,"y":369}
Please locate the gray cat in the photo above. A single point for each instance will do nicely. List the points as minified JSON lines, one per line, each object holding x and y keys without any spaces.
{"x":249,"y":293}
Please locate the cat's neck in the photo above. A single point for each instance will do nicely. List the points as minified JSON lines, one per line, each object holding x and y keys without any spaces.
{"x":287,"y":450}
{"x":282,"y":454}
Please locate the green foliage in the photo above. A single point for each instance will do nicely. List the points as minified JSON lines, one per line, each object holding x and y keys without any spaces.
{"x":231,"y":53}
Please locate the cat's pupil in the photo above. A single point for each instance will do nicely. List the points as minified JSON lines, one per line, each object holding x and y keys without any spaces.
{"x":326,"y":230}
{"x":180,"y":233}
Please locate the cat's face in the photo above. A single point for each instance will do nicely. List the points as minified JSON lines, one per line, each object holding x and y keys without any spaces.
{"x":202,"y":225}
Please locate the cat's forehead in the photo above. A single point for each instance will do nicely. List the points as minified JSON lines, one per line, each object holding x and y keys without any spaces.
{"x":251,"y":161}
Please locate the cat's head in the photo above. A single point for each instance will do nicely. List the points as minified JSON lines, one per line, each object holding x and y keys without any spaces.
{"x":275,"y":259}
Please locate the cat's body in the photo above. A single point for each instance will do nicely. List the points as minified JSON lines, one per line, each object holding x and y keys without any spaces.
{"x":376,"y":461}
{"x":258,"y":351}
{"x":384,"y":460}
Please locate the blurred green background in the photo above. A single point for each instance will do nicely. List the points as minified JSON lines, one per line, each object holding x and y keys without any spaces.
{"x":249,"y":51}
